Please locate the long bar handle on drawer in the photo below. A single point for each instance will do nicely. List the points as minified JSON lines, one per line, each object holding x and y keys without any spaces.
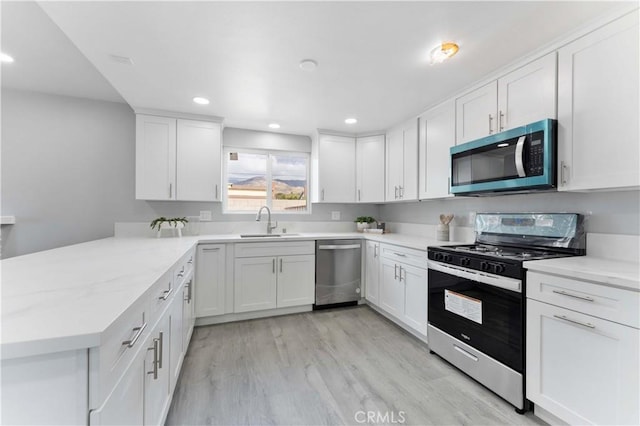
{"x":190,"y":261}
{"x":584,"y":324}
{"x":465,"y":353}
{"x":564,"y":293}
{"x":399,"y":254}
{"x":138,"y":330}
{"x":211,"y":249}
{"x":161,"y":338}
{"x":165,"y":294}
{"x":339,"y":247}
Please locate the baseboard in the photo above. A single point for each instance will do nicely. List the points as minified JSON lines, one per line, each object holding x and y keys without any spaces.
{"x":220,"y":319}
{"x":546,"y":416}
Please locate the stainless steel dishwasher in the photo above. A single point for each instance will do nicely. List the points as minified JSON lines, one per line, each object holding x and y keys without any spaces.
{"x":338,"y":273}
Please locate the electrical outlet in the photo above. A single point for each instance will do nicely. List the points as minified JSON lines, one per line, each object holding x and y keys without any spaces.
{"x":205,"y":216}
{"x":335,"y":215}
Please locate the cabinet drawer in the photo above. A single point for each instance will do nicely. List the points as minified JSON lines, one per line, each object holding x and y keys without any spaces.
{"x":160,"y":295}
{"x":610,"y":303}
{"x":405,"y":255}
{"x":184,"y":267}
{"x":120,"y":344}
{"x":274,"y":248}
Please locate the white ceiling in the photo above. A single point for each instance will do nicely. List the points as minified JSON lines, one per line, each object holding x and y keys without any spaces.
{"x":244,"y":56}
{"x":45,"y":59}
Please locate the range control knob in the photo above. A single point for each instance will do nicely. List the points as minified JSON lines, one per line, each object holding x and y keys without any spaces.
{"x":465,"y":261}
{"x":447,"y":258}
{"x":485,"y":266}
{"x":499,"y":268}
{"x":437,"y":256}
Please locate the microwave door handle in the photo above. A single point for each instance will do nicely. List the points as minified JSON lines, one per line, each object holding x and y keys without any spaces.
{"x":520,"y":157}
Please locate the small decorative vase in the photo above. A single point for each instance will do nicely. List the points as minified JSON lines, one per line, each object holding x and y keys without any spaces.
{"x":442,"y":232}
{"x":361,"y":226}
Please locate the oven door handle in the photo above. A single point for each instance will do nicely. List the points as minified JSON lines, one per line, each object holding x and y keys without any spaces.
{"x":520,"y":157}
{"x":493,"y":280}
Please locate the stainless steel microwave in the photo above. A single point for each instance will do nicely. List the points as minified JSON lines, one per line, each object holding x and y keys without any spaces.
{"x":517,"y":160}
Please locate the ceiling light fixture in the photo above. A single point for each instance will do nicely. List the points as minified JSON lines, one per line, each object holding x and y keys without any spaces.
{"x":351,"y":121}
{"x":308,"y":65}
{"x":443,"y":52}
{"x":274,"y":126}
{"x":201,"y":101}
{"x":5,"y":58}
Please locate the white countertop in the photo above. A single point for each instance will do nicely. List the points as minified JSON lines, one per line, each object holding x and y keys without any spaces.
{"x":65,"y":298}
{"x":596,"y":269}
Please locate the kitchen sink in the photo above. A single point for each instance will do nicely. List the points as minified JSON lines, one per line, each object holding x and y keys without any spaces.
{"x":265,"y":235}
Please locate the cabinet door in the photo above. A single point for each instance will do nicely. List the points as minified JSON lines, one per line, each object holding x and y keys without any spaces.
{"x":372,"y":272}
{"x":255,"y":284}
{"x":437,"y":135}
{"x":582,"y":369}
{"x":210,"y":280}
{"x":394,"y":159}
{"x":476,"y":113}
{"x":198,"y":161}
{"x":176,"y":353}
{"x":528,"y":94}
{"x":409,"y":189}
{"x":336,"y":169}
{"x":370,"y":169}
{"x":157,"y":374}
{"x":296,"y":280}
{"x":155,"y":158}
{"x":598,"y":114}
{"x":415,"y":297}
{"x":125,"y":405}
{"x":391,"y":289}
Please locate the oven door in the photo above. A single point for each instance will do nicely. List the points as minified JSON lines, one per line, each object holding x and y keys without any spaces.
{"x":485,"y":311}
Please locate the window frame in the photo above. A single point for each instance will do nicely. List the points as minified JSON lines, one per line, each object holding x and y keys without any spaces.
{"x":269,"y":178}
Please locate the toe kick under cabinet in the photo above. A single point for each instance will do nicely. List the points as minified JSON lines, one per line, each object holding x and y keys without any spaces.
{"x":582,"y":350}
{"x":273,"y":275}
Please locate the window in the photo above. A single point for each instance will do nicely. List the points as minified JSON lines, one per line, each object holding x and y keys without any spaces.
{"x":253,"y":178}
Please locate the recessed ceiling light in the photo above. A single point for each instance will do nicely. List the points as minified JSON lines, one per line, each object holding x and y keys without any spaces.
{"x":351,"y":121}
{"x":201,"y":101}
{"x":308,"y":65}
{"x":443,"y":52}
{"x":5,"y":58}
{"x":274,"y":126}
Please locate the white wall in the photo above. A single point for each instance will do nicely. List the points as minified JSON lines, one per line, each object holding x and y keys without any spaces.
{"x":607,"y":212}
{"x":68,"y":174}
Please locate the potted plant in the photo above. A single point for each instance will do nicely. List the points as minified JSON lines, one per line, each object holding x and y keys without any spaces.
{"x":364,"y":222}
{"x":175,"y":223}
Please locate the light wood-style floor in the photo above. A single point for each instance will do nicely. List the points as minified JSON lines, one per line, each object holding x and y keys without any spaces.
{"x":326,"y":368}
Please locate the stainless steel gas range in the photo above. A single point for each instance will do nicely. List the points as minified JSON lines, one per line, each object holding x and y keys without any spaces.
{"x":477,"y":299}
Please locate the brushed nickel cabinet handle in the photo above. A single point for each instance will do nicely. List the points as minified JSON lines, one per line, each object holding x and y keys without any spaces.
{"x":322,"y":198}
{"x":396,"y":193}
{"x":490,"y":126}
{"x":500,"y":120}
{"x":395,"y":272}
{"x":155,"y":359}
{"x":138,"y":330}
{"x":399,"y":254}
{"x":358,"y":195}
{"x":280,"y":264}
{"x":563,"y":169}
{"x":165,"y":294}
{"x":211,"y":249}
{"x":170,"y":190}
{"x":190,"y":261}
{"x":564,"y":293}
{"x":160,"y":355}
{"x":273,"y":266}
{"x":584,"y":324}
{"x":216,"y":191}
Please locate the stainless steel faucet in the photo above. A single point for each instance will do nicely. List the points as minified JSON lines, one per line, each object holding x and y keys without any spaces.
{"x":269,"y":227}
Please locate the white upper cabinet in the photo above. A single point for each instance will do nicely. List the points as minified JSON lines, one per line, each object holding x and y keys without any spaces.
{"x":598,"y":127}
{"x":476,"y":113}
{"x":402,"y":162}
{"x":177,"y":159}
{"x":528,"y":94}
{"x":198,"y":161}
{"x":370,"y":169}
{"x":336,"y":169}
{"x":437,"y":135}
{"x":523,"y":96}
{"x":155,"y":158}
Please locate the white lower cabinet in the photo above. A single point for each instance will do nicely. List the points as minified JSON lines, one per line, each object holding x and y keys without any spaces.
{"x":176,"y":327}
{"x":581,"y":368}
{"x":273,"y":275}
{"x":157,"y":374}
{"x":188,"y":312}
{"x":403,"y":286}
{"x":210,"y":280}
{"x":372,"y":272}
